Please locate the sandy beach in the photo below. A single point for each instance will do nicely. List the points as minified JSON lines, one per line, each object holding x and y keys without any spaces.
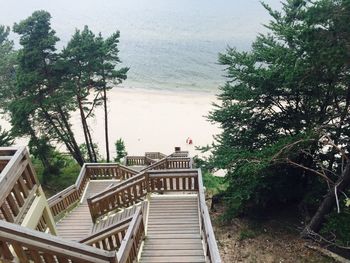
{"x":151,"y":120}
{"x":155,"y":120}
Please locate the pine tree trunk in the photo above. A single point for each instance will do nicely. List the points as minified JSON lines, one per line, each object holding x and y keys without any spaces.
{"x":328,"y":203}
{"x":43,"y":158}
{"x":79,"y":157}
{"x":106,"y":123}
{"x":85,"y":129}
{"x":93,"y":152}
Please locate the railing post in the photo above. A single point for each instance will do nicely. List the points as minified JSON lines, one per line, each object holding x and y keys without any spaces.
{"x":148,"y":187}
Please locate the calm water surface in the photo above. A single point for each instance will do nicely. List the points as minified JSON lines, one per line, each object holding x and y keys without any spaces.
{"x":168,"y":44}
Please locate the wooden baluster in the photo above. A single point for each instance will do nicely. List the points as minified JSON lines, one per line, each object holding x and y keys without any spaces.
{"x":23,"y":187}
{"x":17,"y":194}
{"x":171,"y":181}
{"x":165,"y":183}
{"x":22,"y":256}
{"x":35,"y":256}
{"x":177,"y":180}
{"x":6,"y":212}
{"x":118,"y":239}
{"x":104,"y":244}
{"x":5,"y":252}
{"x":28,"y":179}
{"x":130,"y":199}
{"x":12,"y":203}
{"x":111,"y":243}
{"x":62,"y":259}
{"x":49,"y":258}
{"x":134,"y":192}
{"x":196,"y":183}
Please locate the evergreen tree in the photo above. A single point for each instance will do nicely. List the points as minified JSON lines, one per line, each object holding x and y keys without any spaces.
{"x":6,"y":138}
{"x":108,"y":75}
{"x":80,"y":58}
{"x":280,"y":98}
{"x":39,"y":106}
{"x":120,"y":149}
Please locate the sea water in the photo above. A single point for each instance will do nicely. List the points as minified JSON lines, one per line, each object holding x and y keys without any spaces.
{"x":168,"y":44}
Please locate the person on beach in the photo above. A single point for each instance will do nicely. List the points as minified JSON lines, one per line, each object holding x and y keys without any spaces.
{"x":189,"y":141}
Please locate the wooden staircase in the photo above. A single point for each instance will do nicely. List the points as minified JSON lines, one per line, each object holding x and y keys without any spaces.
{"x":173,"y":231}
{"x":77,"y":224}
{"x":111,"y":214}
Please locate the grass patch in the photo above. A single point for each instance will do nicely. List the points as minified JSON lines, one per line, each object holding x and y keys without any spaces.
{"x":247,"y":233}
{"x":69,"y":171}
{"x":214,"y":184}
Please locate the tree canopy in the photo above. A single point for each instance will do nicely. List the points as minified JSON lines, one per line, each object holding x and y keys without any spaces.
{"x":42,"y":86}
{"x":284,"y":110}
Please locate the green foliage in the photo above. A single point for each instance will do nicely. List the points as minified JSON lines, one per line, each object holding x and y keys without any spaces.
{"x":279,"y":99}
{"x":214,"y":184}
{"x":337,"y":227}
{"x":7,"y":66}
{"x":84,"y":151}
{"x":120,"y":150}
{"x":6,"y":138}
{"x":69,"y":171}
{"x":247,"y":233}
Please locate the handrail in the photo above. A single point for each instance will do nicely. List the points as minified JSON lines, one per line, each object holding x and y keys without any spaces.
{"x":185,"y":163}
{"x":114,"y":187}
{"x":180,"y":154}
{"x":138,"y":160}
{"x":109,"y":238}
{"x":18,"y":184}
{"x":123,"y":195}
{"x":67,"y":198}
{"x":132,"y":241}
{"x":34,"y":246}
{"x":211,"y":248}
{"x":170,"y":162}
{"x":155,"y":155}
{"x":132,"y":190}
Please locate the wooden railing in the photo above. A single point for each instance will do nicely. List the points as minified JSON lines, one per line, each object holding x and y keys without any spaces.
{"x":180,"y":154}
{"x":125,"y":237}
{"x":28,"y":245}
{"x":171,"y":163}
{"x":136,"y":188}
{"x":122,"y":195}
{"x":139,"y":160}
{"x":64,"y":200}
{"x":173,"y":180}
{"x":211,"y":248}
{"x":109,"y":238}
{"x":18,"y":184}
{"x":155,"y":155}
{"x":133,"y":238}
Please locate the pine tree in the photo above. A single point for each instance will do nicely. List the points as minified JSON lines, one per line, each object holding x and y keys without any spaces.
{"x":280,"y":98}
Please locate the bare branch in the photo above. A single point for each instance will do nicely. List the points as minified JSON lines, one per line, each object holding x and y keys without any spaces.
{"x":311,"y":170}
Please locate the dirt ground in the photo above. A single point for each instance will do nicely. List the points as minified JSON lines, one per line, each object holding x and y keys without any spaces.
{"x":264,"y":242}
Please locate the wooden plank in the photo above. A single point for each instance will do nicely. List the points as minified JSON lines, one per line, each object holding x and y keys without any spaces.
{"x":5,"y":251}
{"x":172,"y":252}
{"x":178,"y":259}
{"x":35,"y":256}
{"x":22,"y":256}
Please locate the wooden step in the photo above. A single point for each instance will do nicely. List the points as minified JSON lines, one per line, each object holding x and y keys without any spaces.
{"x":178,"y":259}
